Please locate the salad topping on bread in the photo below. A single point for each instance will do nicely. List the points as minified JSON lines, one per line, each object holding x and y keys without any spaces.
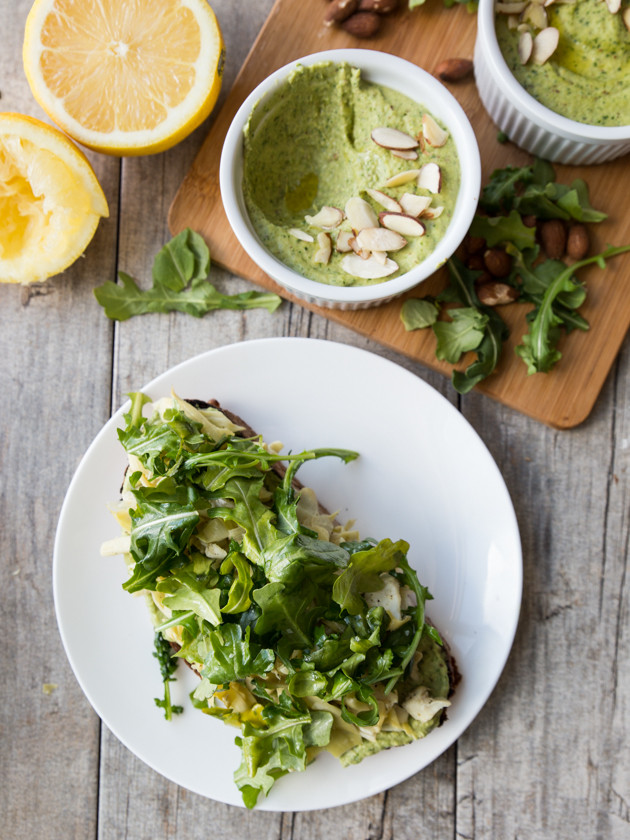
{"x":305,"y":637}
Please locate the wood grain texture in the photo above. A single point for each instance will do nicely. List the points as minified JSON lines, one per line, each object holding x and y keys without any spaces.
{"x":547,"y":756}
{"x":563,"y":398}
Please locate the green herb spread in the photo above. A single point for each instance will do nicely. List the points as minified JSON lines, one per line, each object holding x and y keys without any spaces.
{"x":309,"y":145}
{"x":586,"y":78}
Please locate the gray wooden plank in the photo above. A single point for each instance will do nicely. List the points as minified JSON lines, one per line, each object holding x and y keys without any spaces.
{"x":544,"y":758}
{"x":56,"y":389}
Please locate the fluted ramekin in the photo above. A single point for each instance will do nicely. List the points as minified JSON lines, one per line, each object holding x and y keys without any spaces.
{"x":389,"y":71}
{"x":526,"y":122}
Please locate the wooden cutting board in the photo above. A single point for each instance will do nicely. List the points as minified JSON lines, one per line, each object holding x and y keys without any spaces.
{"x":426,"y":36}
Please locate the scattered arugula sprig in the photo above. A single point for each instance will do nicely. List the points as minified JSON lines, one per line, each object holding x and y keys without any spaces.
{"x":180,"y":272}
{"x":472,"y":326}
{"x":168,"y":665}
{"x":549,"y":285}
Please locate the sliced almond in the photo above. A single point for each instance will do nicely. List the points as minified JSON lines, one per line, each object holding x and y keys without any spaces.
{"x":327,"y":218}
{"x":369,"y":269}
{"x":414,"y":205}
{"x":402,"y":223}
{"x":525,"y":46}
{"x":385,"y":200}
{"x":513,"y":22}
{"x":545,"y":44}
{"x":536,"y":15}
{"x":324,"y":250}
{"x":625,"y":16}
{"x":380,"y":239}
{"x":360,"y":252}
{"x":301,"y":234}
{"x":430,"y":178}
{"x":343,"y":241}
{"x":360,"y":214}
{"x":405,"y":154}
{"x":510,"y":8}
{"x":402,"y":178}
{"x":433,"y":133}
{"x":433,"y":212}
{"x":391,"y":138}
{"x":613,"y":6}
{"x":380,"y":257}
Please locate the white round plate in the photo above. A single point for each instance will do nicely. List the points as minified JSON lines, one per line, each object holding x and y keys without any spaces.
{"x":423,"y":475}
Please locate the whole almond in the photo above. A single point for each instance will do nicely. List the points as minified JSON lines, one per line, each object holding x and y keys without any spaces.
{"x":454,"y":69}
{"x":339,"y":10}
{"x":498,"y":263}
{"x":362,"y":24}
{"x":474,"y":244}
{"x":530,"y":221}
{"x":381,"y":7}
{"x":578,"y":242}
{"x":553,"y":237}
{"x":496,"y":294}
{"x":475,"y":262}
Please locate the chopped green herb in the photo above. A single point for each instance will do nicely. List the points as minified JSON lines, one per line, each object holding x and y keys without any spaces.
{"x":164,"y":654}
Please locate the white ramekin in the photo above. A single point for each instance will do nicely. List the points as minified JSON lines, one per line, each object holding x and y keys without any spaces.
{"x":392,"y":72}
{"x":526,"y":122}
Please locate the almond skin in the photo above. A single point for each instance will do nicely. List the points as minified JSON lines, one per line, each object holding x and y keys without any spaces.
{"x":454,"y":69}
{"x":474,"y":244}
{"x":498,"y":262}
{"x":381,"y":7}
{"x":362,"y":24}
{"x":339,"y":10}
{"x":496,"y":294}
{"x":578,"y":242}
{"x":553,"y":237}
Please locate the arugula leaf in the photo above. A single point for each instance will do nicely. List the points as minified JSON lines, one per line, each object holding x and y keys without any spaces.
{"x":418,"y":313}
{"x":532,"y":190}
{"x":231,"y":656}
{"x":462,"y":333}
{"x":239,"y":593}
{"x":500,"y":192}
{"x":576,"y":203}
{"x":168,"y":665}
{"x":363,"y":574}
{"x":277,"y":748}
{"x":180,"y":272}
{"x":162,"y":525}
{"x":184,"y":591}
{"x":539,"y":348}
{"x":291,"y":613}
{"x":498,"y":229}
{"x":488,"y":353}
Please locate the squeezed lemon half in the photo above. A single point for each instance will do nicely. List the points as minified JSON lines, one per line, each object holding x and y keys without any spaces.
{"x":124,"y":77}
{"x":50,"y":200}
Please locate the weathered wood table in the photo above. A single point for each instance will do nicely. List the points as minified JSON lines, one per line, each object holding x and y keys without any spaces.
{"x":548,"y":755}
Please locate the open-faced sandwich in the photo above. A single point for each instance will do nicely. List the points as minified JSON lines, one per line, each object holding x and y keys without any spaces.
{"x":305,"y":637}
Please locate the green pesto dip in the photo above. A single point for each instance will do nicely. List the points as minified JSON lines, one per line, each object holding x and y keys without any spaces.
{"x":586,"y":78}
{"x":309,"y":145}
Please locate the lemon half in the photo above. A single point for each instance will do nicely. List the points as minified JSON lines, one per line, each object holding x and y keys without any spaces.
{"x":124,"y":77}
{"x":50,"y":200}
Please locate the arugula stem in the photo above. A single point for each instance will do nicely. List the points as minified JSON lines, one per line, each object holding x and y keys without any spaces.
{"x":172,"y":622}
{"x":555,"y":288}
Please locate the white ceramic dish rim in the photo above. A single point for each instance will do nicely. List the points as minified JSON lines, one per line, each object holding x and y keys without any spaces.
{"x":477,"y":590}
{"x":524,"y":101}
{"x":374,"y":65}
